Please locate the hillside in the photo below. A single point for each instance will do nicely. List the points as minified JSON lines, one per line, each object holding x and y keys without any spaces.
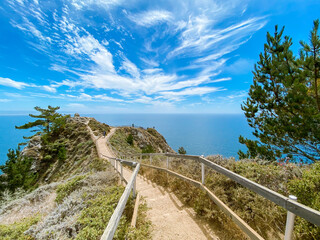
{"x":71,"y":192}
{"x":74,"y":192}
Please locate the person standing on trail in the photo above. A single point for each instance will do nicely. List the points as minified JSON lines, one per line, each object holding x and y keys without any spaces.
{"x":104,"y":134}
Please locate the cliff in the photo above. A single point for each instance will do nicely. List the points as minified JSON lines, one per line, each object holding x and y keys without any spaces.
{"x":73,"y":186}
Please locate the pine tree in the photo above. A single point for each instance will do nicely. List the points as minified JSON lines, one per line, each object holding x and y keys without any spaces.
{"x":181,"y":150}
{"x":47,"y":121}
{"x":283,"y":103}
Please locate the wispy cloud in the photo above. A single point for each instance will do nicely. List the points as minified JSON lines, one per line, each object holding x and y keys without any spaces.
{"x":172,"y":56}
{"x":151,"y":18}
{"x":11,"y":83}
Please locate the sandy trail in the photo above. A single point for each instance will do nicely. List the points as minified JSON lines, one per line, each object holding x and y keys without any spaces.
{"x":170,"y":219}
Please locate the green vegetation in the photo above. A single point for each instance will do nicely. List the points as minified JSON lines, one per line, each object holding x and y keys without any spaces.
{"x":148,"y":149}
{"x":130,"y":139}
{"x":16,"y":172}
{"x":181,"y":150}
{"x":119,"y":142}
{"x":265,"y":217}
{"x":64,"y":190}
{"x":17,"y":229}
{"x":95,"y":217}
{"x":48,"y":121}
{"x":283,"y":106}
{"x":307,"y":189}
{"x":143,"y":225}
{"x":98,"y":128}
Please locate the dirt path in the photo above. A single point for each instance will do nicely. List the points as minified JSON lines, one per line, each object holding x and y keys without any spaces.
{"x":169,"y":218}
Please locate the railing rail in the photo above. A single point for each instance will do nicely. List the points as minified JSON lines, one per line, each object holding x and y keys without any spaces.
{"x":299,"y":209}
{"x":115,"y":218}
{"x":292,"y":206}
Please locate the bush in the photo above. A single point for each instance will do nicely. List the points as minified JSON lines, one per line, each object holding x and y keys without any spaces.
{"x":95,"y":217}
{"x":17,"y":173}
{"x":307,"y":190}
{"x":130,"y":139}
{"x":181,"y":150}
{"x":64,"y":190}
{"x":148,"y":149}
{"x":62,"y":154}
{"x":16,"y":230}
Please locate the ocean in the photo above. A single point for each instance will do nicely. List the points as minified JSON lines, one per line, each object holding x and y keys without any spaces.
{"x":199,"y":134}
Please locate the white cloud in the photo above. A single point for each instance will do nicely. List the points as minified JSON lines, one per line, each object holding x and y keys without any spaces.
{"x":4,"y":100}
{"x":76,"y":106}
{"x":49,"y":89}
{"x":80,"y":4}
{"x":199,"y":36}
{"x":151,"y":18}
{"x":201,"y":30}
{"x":11,"y":83}
{"x":193,"y":91}
{"x":130,"y":68}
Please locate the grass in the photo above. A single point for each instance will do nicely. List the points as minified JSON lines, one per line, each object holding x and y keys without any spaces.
{"x":64,"y":190}
{"x":16,"y":230}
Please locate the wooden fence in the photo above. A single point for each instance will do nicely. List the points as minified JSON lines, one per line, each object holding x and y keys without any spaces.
{"x":291,"y":205}
{"x":115,"y":218}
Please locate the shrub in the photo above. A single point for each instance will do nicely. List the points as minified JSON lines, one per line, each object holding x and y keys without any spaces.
{"x":181,"y":150}
{"x":17,"y":173}
{"x":64,"y":190}
{"x":130,"y":139}
{"x":95,"y":217}
{"x":148,"y":149}
{"x":307,"y":190}
{"x":16,"y":230}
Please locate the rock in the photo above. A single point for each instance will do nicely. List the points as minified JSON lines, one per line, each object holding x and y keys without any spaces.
{"x":33,"y":150}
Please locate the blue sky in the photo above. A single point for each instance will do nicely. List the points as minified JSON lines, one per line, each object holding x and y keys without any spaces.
{"x":122,"y":56}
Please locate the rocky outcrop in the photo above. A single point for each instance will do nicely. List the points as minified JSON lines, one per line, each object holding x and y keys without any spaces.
{"x":33,"y":150}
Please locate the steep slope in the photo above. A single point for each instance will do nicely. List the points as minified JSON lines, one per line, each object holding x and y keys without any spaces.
{"x":75,"y":194}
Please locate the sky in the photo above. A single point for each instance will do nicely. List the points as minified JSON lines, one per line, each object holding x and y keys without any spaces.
{"x":132,"y":56}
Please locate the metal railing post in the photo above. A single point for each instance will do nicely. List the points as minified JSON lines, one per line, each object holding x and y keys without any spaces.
{"x":150,"y":159}
{"x":116,"y":165}
{"x":167,"y":162}
{"x":290,"y":222}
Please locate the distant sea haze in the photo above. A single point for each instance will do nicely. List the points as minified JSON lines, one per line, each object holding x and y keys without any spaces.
{"x":199,"y":134}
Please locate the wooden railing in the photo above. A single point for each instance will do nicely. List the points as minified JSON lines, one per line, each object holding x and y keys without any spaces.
{"x":290,"y":205}
{"x":131,"y":185}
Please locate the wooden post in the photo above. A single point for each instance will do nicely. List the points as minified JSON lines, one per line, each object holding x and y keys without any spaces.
{"x":134,"y":190}
{"x":116,"y":165}
{"x":202,"y":172}
{"x":290,"y":222}
{"x":167,"y":162}
{"x":121,"y":171}
{"x":135,"y":211}
{"x":150,"y":159}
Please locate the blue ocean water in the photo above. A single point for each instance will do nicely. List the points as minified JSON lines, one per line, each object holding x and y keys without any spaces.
{"x":202,"y":134}
{"x":199,"y":134}
{"x":9,"y":136}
